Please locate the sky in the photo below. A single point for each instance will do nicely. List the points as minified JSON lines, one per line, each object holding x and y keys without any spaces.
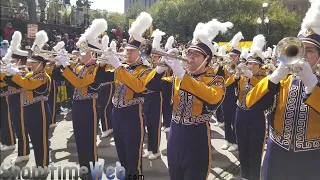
{"x":109,"y":5}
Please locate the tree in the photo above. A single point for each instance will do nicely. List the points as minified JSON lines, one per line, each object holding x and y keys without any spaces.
{"x":116,"y":20}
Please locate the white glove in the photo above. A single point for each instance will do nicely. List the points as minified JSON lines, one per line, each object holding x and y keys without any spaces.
{"x":113,"y":61}
{"x":10,"y":71}
{"x":178,"y":69}
{"x":173,"y":51}
{"x":281,"y":72}
{"x":161,"y":69}
{"x":247,"y":73}
{"x":63,"y":60}
{"x":307,"y":77}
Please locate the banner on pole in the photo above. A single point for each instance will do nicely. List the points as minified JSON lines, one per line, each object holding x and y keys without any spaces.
{"x":32,"y":30}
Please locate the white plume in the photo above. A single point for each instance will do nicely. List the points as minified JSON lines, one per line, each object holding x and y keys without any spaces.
{"x":16,"y":40}
{"x":236,"y":39}
{"x":113,"y":46}
{"x":244,"y":53}
{"x":41,"y":39}
{"x":258,"y":43}
{"x":244,"y":47}
{"x":269,"y":52}
{"x":157,"y":37}
{"x":105,"y":42}
{"x":59,"y":46}
{"x":140,"y":25}
{"x":169,"y":43}
{"x":312,"y":18}
{"x":274,"y":51}
{"x":97,"y":27}
{"x":8,"y":57}
{"x":216,"y":47}
{"x":222,"y":51}
{"x":207,"y":32}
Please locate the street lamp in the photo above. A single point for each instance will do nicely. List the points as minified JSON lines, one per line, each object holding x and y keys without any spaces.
{"x":259,"y":21}
{"x":266,"y":20}
{"x":265,"y":5}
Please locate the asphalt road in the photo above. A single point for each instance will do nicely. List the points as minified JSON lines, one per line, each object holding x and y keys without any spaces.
{"x":63,"y":153}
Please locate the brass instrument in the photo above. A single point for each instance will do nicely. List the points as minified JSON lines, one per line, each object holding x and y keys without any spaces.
{"x":290,"y":51}
{"x":84,"y":47}
{"x":49,"y":54}
{"x":241,"y":68}
{"x":165,"y":54}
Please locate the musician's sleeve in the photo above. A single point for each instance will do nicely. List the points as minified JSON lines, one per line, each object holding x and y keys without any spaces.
{"x":50,"y":69}
{"x":230,"y":80}
{"x":77,"y":81}
{"x":2,"y":82}
{"x":261,"y":97}
{"x":255,"y":80}
{"x":156,"y":81}
{"x":313,"y":99}
{"x":137,"y":84}
{"x":210,"y":94}
{"x":26,"y":83}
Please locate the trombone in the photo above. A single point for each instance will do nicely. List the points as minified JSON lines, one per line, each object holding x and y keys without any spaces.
{"x":84,"y":47}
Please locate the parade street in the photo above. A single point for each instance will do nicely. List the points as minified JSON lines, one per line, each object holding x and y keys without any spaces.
{"x":64,"y":153}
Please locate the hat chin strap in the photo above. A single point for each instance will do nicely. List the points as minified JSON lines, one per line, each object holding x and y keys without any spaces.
{"x":314,"y":67}
{"x":202,"y":64}
{"x":37,"y":67}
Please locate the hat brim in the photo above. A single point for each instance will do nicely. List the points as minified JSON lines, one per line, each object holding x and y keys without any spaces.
{"x":254,"y":61}
{"x":128,"y":46}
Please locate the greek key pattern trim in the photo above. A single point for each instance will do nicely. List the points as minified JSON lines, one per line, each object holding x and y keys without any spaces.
{"x":246,"y":88}
{"x":295,"y":123}
{"x":33,"y":100}
{"x":118,"y":98}
{"x":301,"y":141}
{"x":192,"y":120}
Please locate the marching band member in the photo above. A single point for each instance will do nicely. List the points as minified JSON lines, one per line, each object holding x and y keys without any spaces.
{"x":220,"y":71}
{"x":105,"y":97}
{"x":52,"y":99}
{"x":8,"y":140}
{"x":197,"y":93}
{"x":130,"y":81}
{"x":152,"y":108}
{"x":229,"y":104}
{"x":250,"y":125}
{"x":167,"y":93}
{"x":244,"y":55}
{"x":293,"y":100}
{"x":84,"y":106}
{"x":19,"y":58}
{"x":37,"y":86}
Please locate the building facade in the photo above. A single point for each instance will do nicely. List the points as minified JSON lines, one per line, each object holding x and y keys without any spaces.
{"x":146,"y":3}
{"x":299,"y":6}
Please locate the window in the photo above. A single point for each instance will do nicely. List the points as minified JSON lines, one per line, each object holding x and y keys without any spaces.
{"x":294,"y":7}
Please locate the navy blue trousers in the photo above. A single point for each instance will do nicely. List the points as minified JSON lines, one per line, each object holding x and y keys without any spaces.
{"x":128,"y":133}
{"x":37,"y":126}
{"x":167,"y":107}
{"x":7,"y":132}
{"x":280,"y":164}
{"x":189,"y":151}
{"x":152,"y":109}
{"x":52,"y":101}
{"x":229,"y":107}
{"x":219,"y":114}
{"x":105,"y":106}
{"x":250,"y":133}
{"x":17,"y":117}
{"x":84,"y":115}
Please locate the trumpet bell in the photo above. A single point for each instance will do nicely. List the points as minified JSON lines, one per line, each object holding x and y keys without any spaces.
{"x":290,"y":50}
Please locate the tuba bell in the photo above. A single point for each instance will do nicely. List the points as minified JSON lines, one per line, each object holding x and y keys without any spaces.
{"x":290,"y":50}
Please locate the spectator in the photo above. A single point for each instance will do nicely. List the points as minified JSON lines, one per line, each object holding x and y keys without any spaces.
{"x":8,"y":31}
{"x":4,"y":48}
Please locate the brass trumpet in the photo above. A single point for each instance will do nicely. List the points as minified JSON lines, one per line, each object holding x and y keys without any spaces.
{"x":84,"y":47}
{"x":48,"y":54}
{"x":165,"y":54}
